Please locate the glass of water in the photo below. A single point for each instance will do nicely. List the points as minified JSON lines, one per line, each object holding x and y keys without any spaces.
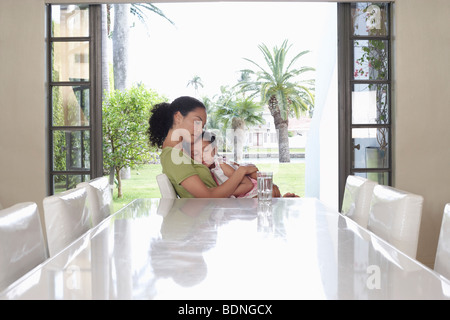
{"x":265,"y":184}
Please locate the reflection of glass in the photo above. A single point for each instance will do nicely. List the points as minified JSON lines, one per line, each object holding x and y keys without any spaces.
{"x":70,"y":61}
{"x":70,"y":20}
{"x":265,"y":217}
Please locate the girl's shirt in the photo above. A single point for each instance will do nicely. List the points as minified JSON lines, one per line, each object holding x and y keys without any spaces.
{"x":178,"y":166}
{"x":220,"y":176}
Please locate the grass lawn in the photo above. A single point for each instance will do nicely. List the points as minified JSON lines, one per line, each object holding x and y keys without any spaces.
{"x":290,"y":177}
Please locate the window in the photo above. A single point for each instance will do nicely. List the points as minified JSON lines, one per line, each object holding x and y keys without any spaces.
{"x":75,"y":150}
{"x":273,"y":137}
{"x":365,"y":92}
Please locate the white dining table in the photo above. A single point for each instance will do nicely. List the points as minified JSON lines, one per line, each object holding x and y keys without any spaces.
{"x":222,"y":249}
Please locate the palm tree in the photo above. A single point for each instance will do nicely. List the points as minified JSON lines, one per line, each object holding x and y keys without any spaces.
{"x":120,"y":42}
{"x":105,"y":62}
{"x":237,"y":113}
{"x":120,"y":36}
{"x":279,"y":89}
{"x":212,"y":121}
{"x":196,"y":82}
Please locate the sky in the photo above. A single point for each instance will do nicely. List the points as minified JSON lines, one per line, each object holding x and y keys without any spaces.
{"x":211,"y":40}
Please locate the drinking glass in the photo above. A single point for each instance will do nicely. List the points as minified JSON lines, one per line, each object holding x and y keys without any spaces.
{"x":265,"y":184}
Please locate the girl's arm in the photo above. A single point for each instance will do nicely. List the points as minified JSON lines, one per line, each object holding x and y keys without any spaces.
{"x":252,"y":175}
{"x":245,"y":186}
{"x":195,"y":186}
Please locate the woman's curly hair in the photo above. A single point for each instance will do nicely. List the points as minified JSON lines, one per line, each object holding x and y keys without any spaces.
{"x":161,"y":118}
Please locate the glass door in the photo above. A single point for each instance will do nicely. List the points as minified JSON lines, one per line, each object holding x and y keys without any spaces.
{"x":74,"y":119}
{"x":365,"y":92}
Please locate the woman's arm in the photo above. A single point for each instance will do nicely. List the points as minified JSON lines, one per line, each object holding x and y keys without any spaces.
{"x":195,"y":186}
{"x":245,"y":186}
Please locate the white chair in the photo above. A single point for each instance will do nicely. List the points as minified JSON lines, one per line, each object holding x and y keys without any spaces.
{"x":442,"y":261}
{"x":22,"y":244}
{"x":165,"y":187}
{"x":99,"y":198}
{"x":357,"y":197}
{"x":66,"y":218}
{"x":395,"y":216}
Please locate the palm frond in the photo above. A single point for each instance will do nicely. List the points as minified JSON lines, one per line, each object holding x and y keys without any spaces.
{"x":152,"y":8}
{"x":296,"y":57}
{"x":140,"y":10}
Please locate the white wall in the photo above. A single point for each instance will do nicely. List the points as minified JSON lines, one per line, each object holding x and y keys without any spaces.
{"x":22,"y":102}
{"x":422,"y":111}
{"x":421,"y":102}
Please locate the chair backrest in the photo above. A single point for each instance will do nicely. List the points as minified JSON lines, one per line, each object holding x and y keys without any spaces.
{"x":357,"y":197}
{"x":165,"y":187}
{"x":442,"y":261}
{"x":99,"y":198}
{"x":66,"y":218}
{"x":22,"y":244}
{"x":395,"y":216}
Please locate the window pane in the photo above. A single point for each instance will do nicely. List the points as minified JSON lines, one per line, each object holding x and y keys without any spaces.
{"x":370,"y":60}
{"x":71,"y":150}
{"x":63,"y":182}
{"x":70,"y":61}
{"x":70,"y":20}
{"x":370,"y":104}
{"x":70,"y":106}
{"x":378,"y":177}
{"x":370,"y":148}
{"x":370,"y":19}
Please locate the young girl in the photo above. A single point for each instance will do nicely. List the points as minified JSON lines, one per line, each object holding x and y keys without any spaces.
{"x":221,"y":169}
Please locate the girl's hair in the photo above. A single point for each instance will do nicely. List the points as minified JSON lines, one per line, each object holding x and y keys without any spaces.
{"x":209,"y":136}
{"x":161,"y":118}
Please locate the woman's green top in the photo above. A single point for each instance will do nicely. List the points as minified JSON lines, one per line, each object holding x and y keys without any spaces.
{"x":178,"y":166}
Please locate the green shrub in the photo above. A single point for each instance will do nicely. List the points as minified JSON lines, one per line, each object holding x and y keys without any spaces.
{"x":125,"y":123}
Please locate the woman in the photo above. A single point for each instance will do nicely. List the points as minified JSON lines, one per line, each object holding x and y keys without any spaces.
{"x":174,"y":126}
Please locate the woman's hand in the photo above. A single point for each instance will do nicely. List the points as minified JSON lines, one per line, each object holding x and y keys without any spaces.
{"x":277,"y":194}
{"x":290,"y":195}
{"x":275,"y":191}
